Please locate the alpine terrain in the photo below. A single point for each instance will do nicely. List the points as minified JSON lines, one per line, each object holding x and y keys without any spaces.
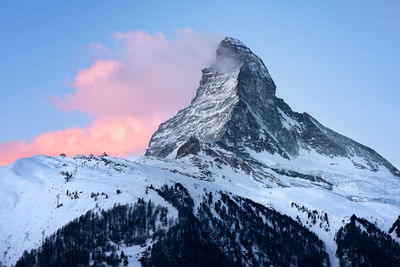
{"x":237,"y":178}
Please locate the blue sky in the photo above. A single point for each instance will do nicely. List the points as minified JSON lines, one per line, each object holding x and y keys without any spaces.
{"x":336,"y":60}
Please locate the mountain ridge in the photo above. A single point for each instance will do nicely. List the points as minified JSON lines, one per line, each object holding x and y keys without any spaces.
{"x":235,"y":107}
{"x":236,"y":178}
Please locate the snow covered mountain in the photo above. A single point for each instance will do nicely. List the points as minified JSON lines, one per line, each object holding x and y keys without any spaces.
{"x":235,"y":109}
{"x":236,"y":178}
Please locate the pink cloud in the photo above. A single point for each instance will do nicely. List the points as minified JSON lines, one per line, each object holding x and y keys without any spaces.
{"x":145,"y":81}
{"x":151,"y":76}
{"x":116,"y":136}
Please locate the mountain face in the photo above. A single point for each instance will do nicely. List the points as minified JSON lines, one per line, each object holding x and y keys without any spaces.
{"x":235,"y":179}
{"x":236,"y":110}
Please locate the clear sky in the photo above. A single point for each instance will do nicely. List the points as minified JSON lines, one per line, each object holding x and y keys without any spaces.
{"x":337,"y":60}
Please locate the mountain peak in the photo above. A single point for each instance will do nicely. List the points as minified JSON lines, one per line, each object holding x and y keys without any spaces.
{"x":233,"y":49}
{"x":230,"y":41}
{"x":238,"y":81}
{"x":236,"y":110}
{"x":232,"y":54}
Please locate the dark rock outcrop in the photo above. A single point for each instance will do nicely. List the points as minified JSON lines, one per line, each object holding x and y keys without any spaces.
{"x":192,"y":146}
{"x":236,"y":109}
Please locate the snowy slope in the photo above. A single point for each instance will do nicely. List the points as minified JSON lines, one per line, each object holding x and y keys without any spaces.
{"x":353,"y":191}
{"x":237,"y":138}
{"x":236,"y":109}
{"x":29,"y":190}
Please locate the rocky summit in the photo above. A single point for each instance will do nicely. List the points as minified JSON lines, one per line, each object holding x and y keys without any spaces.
{"x":235,"y":111}
{"x":235,"y":179}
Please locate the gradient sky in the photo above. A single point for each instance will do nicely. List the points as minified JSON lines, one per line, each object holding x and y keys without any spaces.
{"x":336,"y":60}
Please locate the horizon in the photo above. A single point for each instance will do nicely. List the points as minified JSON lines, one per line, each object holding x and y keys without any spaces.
{"x":57,"y":99}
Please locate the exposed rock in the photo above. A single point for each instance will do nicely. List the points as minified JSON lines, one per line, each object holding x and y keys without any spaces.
{"x":192,"y":146}
{"x":235,"y":110}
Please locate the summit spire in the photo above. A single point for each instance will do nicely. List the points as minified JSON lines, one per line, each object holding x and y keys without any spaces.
{"x":235,"y":109}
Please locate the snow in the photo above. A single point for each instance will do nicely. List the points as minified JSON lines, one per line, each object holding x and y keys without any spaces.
{"x":287,"y":121}
{"x":362,"y":228}
{"x":33,"y":189}
{"x":134,"y":253}
{"x":29,"y":189}
{"x":356,"y":184}
{"x":379,"y":204}
{"x":206,"y":117}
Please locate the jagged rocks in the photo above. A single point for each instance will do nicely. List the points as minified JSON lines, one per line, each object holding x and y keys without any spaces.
{"x":236,"y":109}
{"x":192,"y":146}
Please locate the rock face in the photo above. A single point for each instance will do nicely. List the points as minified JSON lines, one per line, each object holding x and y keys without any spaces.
{"x":236,"y":110}
{"x":206,"y":197}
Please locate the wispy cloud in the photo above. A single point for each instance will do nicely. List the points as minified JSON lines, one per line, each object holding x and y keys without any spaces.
{"x":144,"y":82}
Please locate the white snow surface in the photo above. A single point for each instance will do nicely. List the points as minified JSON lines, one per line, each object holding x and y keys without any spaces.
{"x":212,"y":106}
{"x":29,"y":188}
